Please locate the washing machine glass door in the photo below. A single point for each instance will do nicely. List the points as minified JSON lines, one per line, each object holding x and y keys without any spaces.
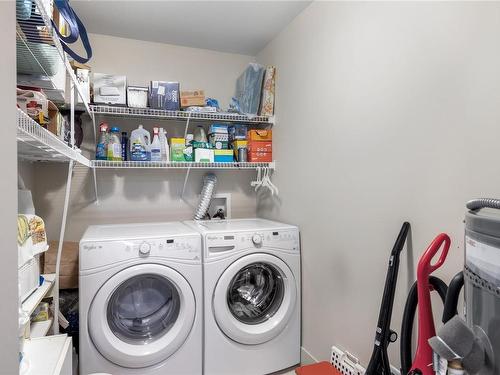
{"x":142,"y":315}
{"x":254,"y":298}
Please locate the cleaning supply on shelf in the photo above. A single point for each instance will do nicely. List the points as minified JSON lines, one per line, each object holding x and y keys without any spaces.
{"x":203,"y":155}
{"x":140,"y":144}
{"x":156,"y":145}
{"x":200,"y":135}
{"x":189,"y":151}
{"x":165,"y":149}
{"x":124,"y":146}
{"x":102,"y":143}
{"x":177,"y":146}
{"x":223,"y":156}
{"x":114,"y":145}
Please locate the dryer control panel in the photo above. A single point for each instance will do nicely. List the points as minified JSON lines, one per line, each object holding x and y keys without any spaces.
{"x":97,"y":254}
{"x":287,"y":240}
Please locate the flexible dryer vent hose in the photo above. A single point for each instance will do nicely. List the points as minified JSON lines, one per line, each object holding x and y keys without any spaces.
{"x":479,"y":203}
{"x":209,"y":183}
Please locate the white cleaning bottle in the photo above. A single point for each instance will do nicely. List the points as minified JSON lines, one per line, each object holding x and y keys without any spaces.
{"x":155,"y":145}
{"x":165,"y":149}
{"x":140,"y":144}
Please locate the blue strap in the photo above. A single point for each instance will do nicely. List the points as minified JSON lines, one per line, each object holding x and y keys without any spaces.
{"x":77,"y":29}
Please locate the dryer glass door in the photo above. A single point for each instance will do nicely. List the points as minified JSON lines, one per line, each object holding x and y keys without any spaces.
{"x":255,"y":293}
{"x":143,"y":308}
{"x":255,"y":298}
{"x":142,"y":315}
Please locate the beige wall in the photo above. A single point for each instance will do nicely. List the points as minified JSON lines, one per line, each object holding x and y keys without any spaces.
{"x":144,"y":195}
{"x":387,"y":112}
{"x":8,"y":186}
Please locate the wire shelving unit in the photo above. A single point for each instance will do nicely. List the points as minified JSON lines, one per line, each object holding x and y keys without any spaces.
{"x":179,"y":115}
{"x":34,"y":143}
{"x":106,"y":164}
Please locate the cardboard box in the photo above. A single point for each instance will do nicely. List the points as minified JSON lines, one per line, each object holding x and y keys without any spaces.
{"x":267,"y":100}
{"x":237,"y":132}
{"x":203,"y":155}
{"x":68,"y":277}
{"x":223,"y":156}
{"x":260,"y":146}
{"x":177,"y":146}
{"x":192,"y":98}
{"x":260,"y":135}
{"x":109,"y":89}
{"x":137,"y":96}
{"x":260,"y":157}
{"x":164,"y":95}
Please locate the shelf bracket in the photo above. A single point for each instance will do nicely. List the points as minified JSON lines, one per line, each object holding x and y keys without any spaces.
{"x":94,"y":176}
{"x":60,"y":247}
{"x":187,"y":125}
{"x":185,"y":183}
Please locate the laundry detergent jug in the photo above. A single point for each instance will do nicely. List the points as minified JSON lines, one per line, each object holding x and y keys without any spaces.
{"x":140,"y":145}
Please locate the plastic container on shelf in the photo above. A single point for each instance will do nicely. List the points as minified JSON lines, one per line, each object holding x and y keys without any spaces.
{"x":124,"y":146}
{"x":140,"y":144}
{"x":156,"y":145}
{"x":165,"y":149}
{"x":114,"y":145}
{"x":102,"y":143}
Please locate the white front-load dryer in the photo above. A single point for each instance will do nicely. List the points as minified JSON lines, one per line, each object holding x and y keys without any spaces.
{"x":252,"y":296}
{"x":141,"y":300}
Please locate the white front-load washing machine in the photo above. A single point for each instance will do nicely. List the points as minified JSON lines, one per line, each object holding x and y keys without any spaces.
{"x":141,"y":300}
{"x":252,"y":296}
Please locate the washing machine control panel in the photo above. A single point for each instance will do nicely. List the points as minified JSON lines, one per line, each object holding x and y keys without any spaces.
{"x":97,"y":254}
{"x":223,"y":242}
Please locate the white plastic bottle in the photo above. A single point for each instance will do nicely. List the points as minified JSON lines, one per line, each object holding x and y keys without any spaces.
{"x":140,"y":144}
{"x":156,"y":146}
{"x":165,"y":149}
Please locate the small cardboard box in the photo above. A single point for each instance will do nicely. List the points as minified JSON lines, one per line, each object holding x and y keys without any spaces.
{"x":137,"y":96}
{"x":223,"y":156}
{"x":260,"y":157}
{"x":192,"y":98}
{"x":164,"y":95}
{"x":260,"y":135}
{"x":203,"y":155}
{"x":109,"y":89}
{"x":177,"y":146}
{"x":260,"y":146}
{"x":68,"y":277}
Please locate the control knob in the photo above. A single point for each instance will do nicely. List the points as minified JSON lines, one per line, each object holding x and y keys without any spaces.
{"x":144,"y":248}
{"x":257,"y":239}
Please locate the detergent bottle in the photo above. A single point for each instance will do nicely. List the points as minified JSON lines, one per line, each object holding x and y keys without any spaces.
{"x":165,"y":150}
{"x":114,"y":150}
{"x":140,"y":145}
{"x":102,"y":143}
{"x":156,"y":145}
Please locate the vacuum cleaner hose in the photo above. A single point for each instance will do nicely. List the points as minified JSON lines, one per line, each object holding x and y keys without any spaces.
{"x":209,"y":183}
{"x":479,"y":203}
{"x":409,"y":316}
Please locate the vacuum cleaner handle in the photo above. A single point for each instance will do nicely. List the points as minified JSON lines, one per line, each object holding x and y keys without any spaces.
{"x":379,"y":361}
{"x":425,"y":266}
{"x":451,"y":303}
{"x":426,"y":329}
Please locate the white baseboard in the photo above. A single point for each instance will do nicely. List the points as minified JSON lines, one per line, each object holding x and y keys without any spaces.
{"x":306,"y":358}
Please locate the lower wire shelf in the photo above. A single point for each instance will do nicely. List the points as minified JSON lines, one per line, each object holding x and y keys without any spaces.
{"x":106,"y":164}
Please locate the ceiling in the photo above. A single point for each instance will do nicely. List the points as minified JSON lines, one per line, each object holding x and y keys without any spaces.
{"x":228,"y":26}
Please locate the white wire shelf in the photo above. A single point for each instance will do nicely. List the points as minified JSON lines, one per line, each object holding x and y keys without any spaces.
{"x":40,"y":52}
{"x":38,"y":144}
{"x":106,"y":164}
{"x":178,"y":115}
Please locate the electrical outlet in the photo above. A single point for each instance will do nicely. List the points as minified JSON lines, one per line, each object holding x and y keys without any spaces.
{"x":345,"y":362}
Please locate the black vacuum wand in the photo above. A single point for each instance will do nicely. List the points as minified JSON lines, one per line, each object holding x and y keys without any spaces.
{"x":379,"y":361}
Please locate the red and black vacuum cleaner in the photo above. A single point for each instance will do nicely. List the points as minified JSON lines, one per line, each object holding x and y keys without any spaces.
{"x":420,"y":296}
